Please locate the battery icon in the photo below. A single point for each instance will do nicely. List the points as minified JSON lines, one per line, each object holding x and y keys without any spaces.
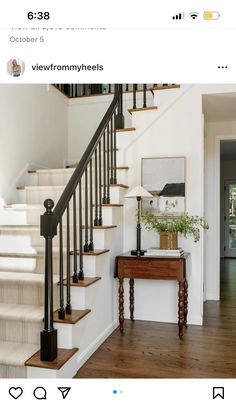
{"x":211,"y":15}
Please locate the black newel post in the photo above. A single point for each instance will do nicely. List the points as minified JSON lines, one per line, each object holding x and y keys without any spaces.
{"x":119,"y":118}
{"x":48,"y":229}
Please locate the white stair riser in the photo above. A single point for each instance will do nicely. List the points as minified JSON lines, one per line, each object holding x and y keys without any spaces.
{"x":20,"y":331}
{"x":28,"y":294}
{"x":65,"y":332}
{"x":84,"y":297}
{"x":60,"y":178}
{"x":37,"y":265}
{"x":38,"y":195}
{"x":23,"y":241}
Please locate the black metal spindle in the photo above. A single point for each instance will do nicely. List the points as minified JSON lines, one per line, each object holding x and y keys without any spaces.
{"x":100,"y":182}
{"x":127,"y":87}
{"x":91,"y":246}
{"x":61,"y":310}
{"x":109,"y":88}
{"x":108,"y":166}
{"x":144,"y":96}
{"x":104,"y":200}
{"x":134,"y":96}
{"x":75,"y":275}
{"x":68,"y":296}
{"x":112,"y":151}
{"x":96,"y":221}
{"x":120,"y":120}
{"x":86,"y":212}
{"x":81,"y":270}
{"x":114,"y":145}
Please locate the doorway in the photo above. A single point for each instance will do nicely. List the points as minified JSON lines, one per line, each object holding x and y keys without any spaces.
{"x":230,"y":218}
{"x":228,"y":198}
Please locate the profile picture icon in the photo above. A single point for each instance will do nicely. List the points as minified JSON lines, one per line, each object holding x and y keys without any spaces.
{"x":15,"y":67}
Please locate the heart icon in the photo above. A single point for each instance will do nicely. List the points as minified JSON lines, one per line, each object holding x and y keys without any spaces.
{"x":15,"y":392}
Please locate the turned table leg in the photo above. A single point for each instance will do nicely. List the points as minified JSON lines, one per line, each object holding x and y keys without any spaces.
{"x":121,"y":305}
{"x":181,"y":308}
{"x":131,"y":298}
{"x":185,"y":303}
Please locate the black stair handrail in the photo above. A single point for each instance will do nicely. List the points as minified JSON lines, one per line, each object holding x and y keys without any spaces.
{"x":84,"y":161}
{"x":100,"y":156}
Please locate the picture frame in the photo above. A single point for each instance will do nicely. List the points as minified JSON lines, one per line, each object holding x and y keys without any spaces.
{"x":164,"y":178}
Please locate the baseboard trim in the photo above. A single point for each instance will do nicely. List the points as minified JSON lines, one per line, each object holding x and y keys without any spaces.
{"x":87,"y":353}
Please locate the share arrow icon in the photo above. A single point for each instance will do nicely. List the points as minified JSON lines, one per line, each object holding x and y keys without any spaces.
{"x":64,"y":391}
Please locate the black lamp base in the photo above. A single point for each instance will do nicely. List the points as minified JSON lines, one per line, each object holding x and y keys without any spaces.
{"x":137,"y":252}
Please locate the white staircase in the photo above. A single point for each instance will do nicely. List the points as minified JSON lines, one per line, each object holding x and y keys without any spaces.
{"x":94,"y":300}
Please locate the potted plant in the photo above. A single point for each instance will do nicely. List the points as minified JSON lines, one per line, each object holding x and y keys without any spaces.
{"x":168,"y":227}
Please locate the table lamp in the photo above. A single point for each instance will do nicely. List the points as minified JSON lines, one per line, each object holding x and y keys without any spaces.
{"x":138,"y":192}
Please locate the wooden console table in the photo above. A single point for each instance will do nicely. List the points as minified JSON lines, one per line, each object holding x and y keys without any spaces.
{"x":155,"y":268}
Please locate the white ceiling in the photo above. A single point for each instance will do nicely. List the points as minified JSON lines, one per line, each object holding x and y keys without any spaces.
{"x":219,"y":107}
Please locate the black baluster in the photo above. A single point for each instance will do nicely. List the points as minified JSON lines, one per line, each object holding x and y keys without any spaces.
{"x":127,"y":87}
{"x":100,"y":181}
{"x":119,"y":119}
{"x":109,"y":88}
{"x":114,"y":145}
{"x":84,"y":89}
{"x":134,"y":96}
{"x":108,"y":165}
{"x":81,"y":270}
{"x":68,"y":297}
{"x":75,"y":275}
{"x":48,"y":344}
{"x":86,"y":244}
{"x":104,"y":200}
{"x":91,"y":246}
{"x":96,"y":221}
{"x":144,"y":96}
{"x":112,"y":152}
{"x":61,"y":310}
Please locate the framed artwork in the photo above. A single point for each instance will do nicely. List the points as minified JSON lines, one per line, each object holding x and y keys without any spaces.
{"x":164,"y":178}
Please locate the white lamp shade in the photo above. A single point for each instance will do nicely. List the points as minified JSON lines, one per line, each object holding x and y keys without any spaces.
{"x":138,"y":191}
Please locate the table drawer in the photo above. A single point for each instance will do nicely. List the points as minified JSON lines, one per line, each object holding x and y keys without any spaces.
{"x":149,"y":269}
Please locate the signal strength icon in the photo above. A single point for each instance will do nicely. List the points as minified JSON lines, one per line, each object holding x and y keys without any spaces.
{"x":193,"y":15}
{"x":179,"y":16}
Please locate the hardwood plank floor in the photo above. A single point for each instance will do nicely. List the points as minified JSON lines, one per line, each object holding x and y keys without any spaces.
{"x":152,"y":349}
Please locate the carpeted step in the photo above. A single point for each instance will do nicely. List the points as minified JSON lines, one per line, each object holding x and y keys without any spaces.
{"x":21,"y":323}
{"x":13,"y":357}
{"x":24,"y":288}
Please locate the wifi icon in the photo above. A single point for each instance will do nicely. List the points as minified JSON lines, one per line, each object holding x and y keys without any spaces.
{"x":193,"y":15}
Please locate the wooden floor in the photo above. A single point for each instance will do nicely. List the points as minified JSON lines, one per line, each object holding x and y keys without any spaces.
{"x":151,"y":349}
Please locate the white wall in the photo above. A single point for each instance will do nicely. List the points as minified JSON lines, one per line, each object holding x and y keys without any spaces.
{"x":33,"y":131}
{"x":176,"y":133}
{"x":85,"y":115}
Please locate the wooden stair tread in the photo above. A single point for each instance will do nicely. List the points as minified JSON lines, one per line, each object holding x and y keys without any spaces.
{"x":131,"y":110}
{"x":62,"y":357}
{"x":125,"y":129}
{"x":83,"y":283}
{"x":112,"y":205}
{"x":119,"y":185}
{"x":76,"y":316}
{"x":171,"y":86}
{"x":95,"y":252}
